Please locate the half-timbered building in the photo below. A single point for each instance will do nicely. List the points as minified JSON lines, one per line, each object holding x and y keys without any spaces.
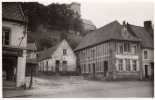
{"x":110,"y":52}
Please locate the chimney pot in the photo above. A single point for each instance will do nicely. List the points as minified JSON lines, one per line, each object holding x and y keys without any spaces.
{"x":147,"y":24}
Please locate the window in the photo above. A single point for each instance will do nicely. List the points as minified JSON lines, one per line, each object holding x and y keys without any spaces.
{"x":134,"y":49}
{"x":121,"y":49}
{"x":97,"y":67}
{"x":128,"y":67}
{"x":93,"y":52}
{"x":89,"y":67}
{"x":47,"y":65}
{"x":64,"y":51}
{"x":134,"y":65}
{"x":126,"y":47}
{"x":64,"y":65}
{"x":84,"y":68}
{"x":120,"y":64}
{"x":6,"y":36}
{"x":145,"y":55}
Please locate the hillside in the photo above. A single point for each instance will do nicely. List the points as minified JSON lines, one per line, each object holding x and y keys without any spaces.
{"x":50,"y":24}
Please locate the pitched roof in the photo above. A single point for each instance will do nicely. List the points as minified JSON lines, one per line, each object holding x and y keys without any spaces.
{"x":31,"y":46}
{"x":107,"y":32}
{"x":141,"y":32}
{"x":12,"y":11}
{"x":47,"y":53}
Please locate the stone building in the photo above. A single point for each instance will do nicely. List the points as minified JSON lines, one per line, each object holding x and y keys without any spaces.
{"x":88,"y":25}
{"x":58,"y":59}
{"x":14,"y":43}
{"x":110,"y":52}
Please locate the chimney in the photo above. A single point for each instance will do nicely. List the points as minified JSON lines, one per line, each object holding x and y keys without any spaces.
{"x":125,"y":25}
{"x":149,"y":28}
{"x":147,"y":25}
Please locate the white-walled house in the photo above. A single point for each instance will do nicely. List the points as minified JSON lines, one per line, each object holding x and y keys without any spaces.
{"x":147,"y":46}
{"x":59,"y":58}
{"x":14,"y":43}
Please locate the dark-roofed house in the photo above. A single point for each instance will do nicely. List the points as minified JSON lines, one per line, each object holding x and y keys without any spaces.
{"x":58,"y":59}
{"x":146,"y":35}
{"x":14,"y":43}
{"x":110,"y":52}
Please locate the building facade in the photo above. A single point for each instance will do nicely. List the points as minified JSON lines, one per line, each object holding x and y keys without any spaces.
{"x":111,"y":52}
{"x":147,"y":47}
{"x":14,"y":43}
{"x":58,"y":59}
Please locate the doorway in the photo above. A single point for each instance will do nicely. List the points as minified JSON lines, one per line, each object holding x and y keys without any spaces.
{"x":105,"y":68}
{"x":146,"y":71}
{"x":57,"y":66}
{"x":93,"y":70}
{"x":9,"y":71}
{"x":64,"y":66}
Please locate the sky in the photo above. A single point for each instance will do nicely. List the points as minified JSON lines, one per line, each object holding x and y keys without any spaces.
{"x":102,"y":12}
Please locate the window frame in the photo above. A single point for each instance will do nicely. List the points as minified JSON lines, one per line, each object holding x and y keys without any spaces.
{"x":134,"y":64}
{"x":120,"y":68}
{"x":4,"y":29}
{"x":64,"y":51}
{"x":145,"y":56}
{"x":128,"y":65}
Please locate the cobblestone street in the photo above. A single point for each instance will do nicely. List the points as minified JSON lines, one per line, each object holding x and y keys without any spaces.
{"x":65,"y":86}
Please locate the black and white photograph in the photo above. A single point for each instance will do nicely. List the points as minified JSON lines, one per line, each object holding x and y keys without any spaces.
{"x":77,"y":49}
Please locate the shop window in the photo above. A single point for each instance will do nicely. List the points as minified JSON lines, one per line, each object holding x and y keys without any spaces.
{"x":128,"y":67}
{"x":134,"y":65}
{"x":120,"y":64}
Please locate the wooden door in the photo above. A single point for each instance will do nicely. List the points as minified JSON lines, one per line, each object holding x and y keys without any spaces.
{"x":146,"y":71}
{"x":57,"y":66}
{"x":105,"y":68}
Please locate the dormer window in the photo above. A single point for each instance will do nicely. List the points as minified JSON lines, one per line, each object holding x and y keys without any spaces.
{"x":6,"y":36}
{"x":64,"y":51}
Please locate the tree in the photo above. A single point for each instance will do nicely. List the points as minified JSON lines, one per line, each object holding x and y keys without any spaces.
{"x":56,"y":16}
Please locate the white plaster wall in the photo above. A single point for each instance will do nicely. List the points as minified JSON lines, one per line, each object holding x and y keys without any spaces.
{"x":150,"y":54}
{"x":147,"y":61}
{"x":15,"y":38}
{"x":17,"y":31}
{"x":21,"y":63}
{"x":69,"y":57}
